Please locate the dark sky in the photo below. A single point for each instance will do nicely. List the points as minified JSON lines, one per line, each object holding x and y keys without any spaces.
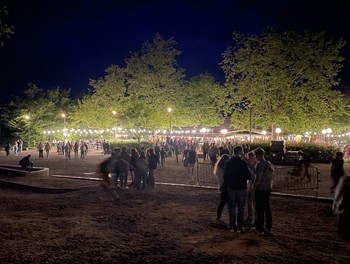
{"x":68,"y":42}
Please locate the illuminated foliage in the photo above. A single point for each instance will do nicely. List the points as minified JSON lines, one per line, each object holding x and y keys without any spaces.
{"x":286,"y":78}
{"x":43,"y":108}
{"x":140,"y":92}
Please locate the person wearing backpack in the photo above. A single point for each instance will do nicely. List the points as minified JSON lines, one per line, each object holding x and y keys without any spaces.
{"x":262,"y":191}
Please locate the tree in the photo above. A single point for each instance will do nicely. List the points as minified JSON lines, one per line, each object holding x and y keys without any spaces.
{"x":5,"y":30}
{"x":40,"y":110}
{"x":139,"y":92}
{"x":199,"y":103}
{"x":286,"y":79}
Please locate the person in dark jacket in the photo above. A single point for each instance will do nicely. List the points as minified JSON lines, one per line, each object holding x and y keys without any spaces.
{"x":26,"y":162}
{"x":236,"y":175}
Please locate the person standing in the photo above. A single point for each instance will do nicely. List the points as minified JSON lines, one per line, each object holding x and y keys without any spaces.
{"x":141,"y":171}
{"x":157,"y":152}
{"x":251,"y":161}
{"x":124,"y":163}
{"x":162,"y":156}
{"x":76,"y":149}
{"x":192,"y":158}
{"x":337,"y":169}
{"x":262,"y":191}
{"x":218,"y":171}
{"x":41,"y":150}
{"x":236,"y":175}
{"x":341,"y":207}
{"x":213,"y":153}
{"x":7,"y":149}
{"x":152,"y":164}
{"x":205,"y":150}
{"x":177,"y":151}
{"x":47,"y":149}
{"x":82,"y":151}
{"x":133,"y":158}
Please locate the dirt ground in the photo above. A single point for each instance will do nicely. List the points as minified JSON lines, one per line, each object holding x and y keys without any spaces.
{"x":171,"y":224}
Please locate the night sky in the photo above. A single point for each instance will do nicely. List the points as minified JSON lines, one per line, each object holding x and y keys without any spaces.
{"x":68,"y":42}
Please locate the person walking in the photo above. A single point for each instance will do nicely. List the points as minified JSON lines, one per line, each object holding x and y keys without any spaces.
{"x":262,"y":191}
{"x":236,"y":175}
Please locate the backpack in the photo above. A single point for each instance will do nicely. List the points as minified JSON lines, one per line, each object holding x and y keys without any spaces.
{"x":153,"y":161}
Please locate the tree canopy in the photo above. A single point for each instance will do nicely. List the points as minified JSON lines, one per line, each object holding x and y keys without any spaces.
{"x":40,"y":110}
{"x":5,"y":30}
{"x":285,"y":78}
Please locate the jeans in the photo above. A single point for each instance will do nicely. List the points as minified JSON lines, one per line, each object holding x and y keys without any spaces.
{"x":223,"y":201}
{"x":263,"y":210}
{"x":151,"y":179}
{"x":236,"y":198}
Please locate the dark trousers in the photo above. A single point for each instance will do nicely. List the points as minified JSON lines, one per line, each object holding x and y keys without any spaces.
{"x":263,"y":210}
{"x":223,"y":201}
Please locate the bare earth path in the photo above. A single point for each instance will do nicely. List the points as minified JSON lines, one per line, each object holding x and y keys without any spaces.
{"x":171,"y":224}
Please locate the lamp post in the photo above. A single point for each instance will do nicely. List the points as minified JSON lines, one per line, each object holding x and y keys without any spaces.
{"x":114,"y":128}
{"x":64,"y":125}
{"x":169,"y":110}
{"x":28,"y":117}
{"x":250,"y":125}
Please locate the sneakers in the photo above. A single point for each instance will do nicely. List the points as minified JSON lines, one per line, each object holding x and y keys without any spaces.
{"x":237,"y":229}
{"x":241,"y":230}
{"x":259,"y":232}
{"x":266,"y":232}
{"x":248,"y":220}
{"x":232,"y":228}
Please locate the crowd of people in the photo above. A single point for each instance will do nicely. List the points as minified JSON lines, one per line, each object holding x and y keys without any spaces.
{"x":245,"y":177}
{"x":140,"y":165}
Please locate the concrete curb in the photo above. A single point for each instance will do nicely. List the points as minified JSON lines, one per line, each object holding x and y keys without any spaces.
{"x":31,"y":188}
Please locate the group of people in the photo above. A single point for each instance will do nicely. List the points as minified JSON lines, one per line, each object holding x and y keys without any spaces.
{"x":17,"y":147}
{"x":245,"y":180}
{"x":141,"y":165}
